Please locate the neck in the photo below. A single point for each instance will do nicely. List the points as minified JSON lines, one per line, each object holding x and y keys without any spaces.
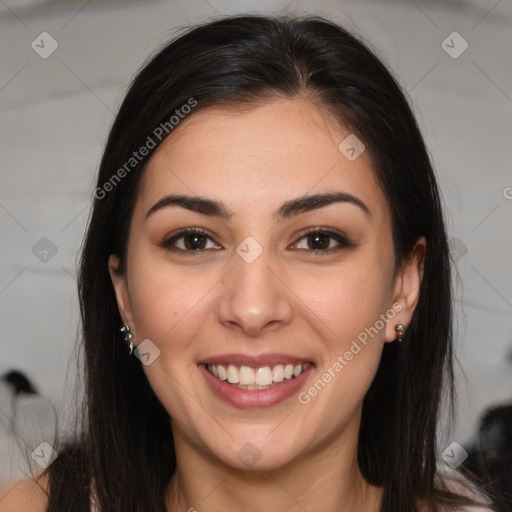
{"x":326,"y":479}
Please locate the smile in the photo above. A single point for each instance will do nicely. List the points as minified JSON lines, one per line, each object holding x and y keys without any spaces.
{"x":261,"y":378}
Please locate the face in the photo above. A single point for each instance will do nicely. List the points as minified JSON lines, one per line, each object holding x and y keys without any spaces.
{"x":265,"y":322}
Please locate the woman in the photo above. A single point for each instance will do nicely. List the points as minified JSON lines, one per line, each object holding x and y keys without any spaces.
{"x":264,"y":287}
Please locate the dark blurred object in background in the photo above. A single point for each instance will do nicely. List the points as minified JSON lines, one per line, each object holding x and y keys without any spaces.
{"x":18,"y":383}
{"x":490,"y":456}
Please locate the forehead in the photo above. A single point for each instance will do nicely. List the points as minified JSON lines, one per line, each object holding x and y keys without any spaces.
{"x":252,"y":158}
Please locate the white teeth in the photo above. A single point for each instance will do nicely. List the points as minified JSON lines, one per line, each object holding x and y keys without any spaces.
{"x":223,"y":375}
{"x":263,"y":376}
{"x":278,"y":373}
{"x":245,"y":377}
{"x":233,"y":374}
{"x":288,"y":371}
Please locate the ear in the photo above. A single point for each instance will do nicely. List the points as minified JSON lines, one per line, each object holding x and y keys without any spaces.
{"x":407,"y":288}
{"x":121,"y":290}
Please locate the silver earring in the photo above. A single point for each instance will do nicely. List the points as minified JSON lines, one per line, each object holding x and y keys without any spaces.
{"x":400,"y":331}
{"x":127,"y":336}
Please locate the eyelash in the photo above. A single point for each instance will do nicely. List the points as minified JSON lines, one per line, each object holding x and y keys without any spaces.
{"x":342,"y":239}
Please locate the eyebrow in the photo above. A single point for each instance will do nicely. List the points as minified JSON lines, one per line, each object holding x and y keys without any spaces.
{"x":288,"y":209}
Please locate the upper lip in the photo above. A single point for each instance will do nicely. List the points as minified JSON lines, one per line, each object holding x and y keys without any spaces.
{"x":254,"y":361}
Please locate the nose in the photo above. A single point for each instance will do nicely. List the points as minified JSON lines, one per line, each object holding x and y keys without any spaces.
{"x":254,"y":297}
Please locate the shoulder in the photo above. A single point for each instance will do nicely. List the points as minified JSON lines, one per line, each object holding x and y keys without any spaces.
{"x":27,"y":495}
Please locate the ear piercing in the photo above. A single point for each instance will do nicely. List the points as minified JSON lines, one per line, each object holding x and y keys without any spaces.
{"x":400,"y":331}
{"x":127,"y":336}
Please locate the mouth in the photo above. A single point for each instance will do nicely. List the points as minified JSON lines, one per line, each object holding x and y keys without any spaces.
{"x":257,"y":378}
{"x":255,"y":381}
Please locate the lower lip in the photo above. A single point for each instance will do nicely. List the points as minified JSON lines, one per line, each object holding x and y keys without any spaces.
{"x":245,"y":399}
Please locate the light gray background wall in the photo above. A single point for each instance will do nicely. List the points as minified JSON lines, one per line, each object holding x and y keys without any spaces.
{"x":56,"y":112}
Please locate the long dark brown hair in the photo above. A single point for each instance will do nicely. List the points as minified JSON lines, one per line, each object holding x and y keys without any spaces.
{"x":126,"y":446}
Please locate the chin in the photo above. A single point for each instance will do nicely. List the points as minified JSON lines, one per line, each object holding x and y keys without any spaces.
{"x":247,"y":454}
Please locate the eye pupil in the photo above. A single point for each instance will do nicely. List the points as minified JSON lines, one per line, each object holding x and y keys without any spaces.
{"x":198,"y":242}
{"x":317,"y":244}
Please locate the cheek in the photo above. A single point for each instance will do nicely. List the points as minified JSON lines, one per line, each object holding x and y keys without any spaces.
{"x":348,"y":300}
{"x":353,"y":345}
{"x":351,"y":308}
{"x":169,"y":310}
{"x":165,"y":301}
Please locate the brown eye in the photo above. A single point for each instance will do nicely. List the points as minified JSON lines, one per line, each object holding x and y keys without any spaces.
{"x":194,"y":242}
{"x":319,"y":241}
{"x":190,"y":240}
{"x":323,"y":240}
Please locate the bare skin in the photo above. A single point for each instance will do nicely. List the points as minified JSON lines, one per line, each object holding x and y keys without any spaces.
{"x":209,"y":302}
{"x":27,"y":495}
